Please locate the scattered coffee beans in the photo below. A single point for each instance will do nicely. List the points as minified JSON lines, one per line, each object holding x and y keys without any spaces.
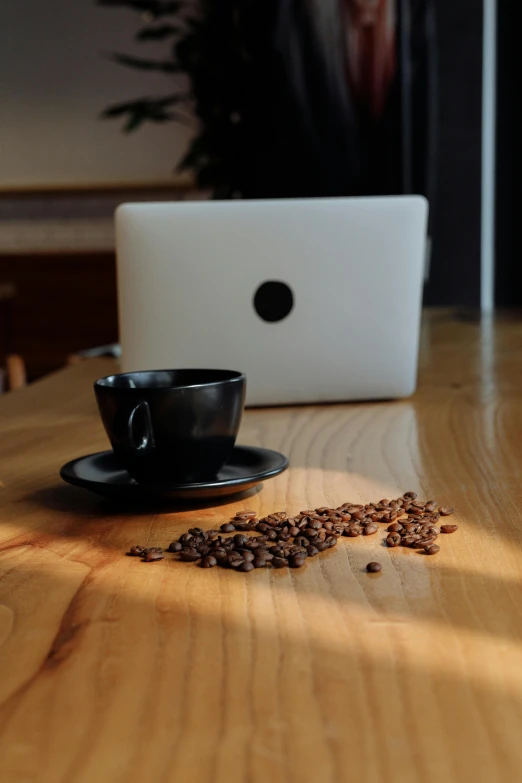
{"x":281,"y":540}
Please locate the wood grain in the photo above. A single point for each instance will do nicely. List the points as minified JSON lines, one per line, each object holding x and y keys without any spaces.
{"x":113,"y":670}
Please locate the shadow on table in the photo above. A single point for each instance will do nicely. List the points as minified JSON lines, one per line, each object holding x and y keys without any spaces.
{"x":67,"y":499}
{"x":295,"y":689}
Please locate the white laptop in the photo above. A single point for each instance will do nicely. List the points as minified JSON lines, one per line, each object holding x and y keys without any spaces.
{"x":317,"y":300}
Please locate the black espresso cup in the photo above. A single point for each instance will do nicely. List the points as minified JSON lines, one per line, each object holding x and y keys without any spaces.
{"x":172,"y":426}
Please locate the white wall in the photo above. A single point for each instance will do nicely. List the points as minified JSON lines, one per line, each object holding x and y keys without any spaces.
{"x":54,"y":82}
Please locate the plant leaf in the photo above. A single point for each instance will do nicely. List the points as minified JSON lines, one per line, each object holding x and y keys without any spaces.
{"x":156,"y":8}
{"x":166,"y":66}
{"x":157,"y":33}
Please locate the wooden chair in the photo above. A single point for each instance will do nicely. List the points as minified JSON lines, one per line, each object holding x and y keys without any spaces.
{"x":12,"y":366}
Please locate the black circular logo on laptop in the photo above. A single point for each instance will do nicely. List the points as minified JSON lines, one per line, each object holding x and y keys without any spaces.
{"x":273,"y":300}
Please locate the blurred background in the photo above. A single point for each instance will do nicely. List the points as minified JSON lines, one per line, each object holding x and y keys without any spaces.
{"x":133,"y":100}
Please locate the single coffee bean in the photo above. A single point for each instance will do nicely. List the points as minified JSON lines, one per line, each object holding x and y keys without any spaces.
{"x":189,"y":555}
{"x":246,"y":566}
{"x":227,"y":527}
{"x":297,"y":561}
{"x":151,"y":555}
{"x":395,"y":527}
{"x":185,"y":538}
{"x":432,"y":549}
{"x":445,"y":511}
{"x":350,"y":532}
{"x":410,"y":495}
{"x":196,"y":531}
{"x":242,"y":525}
{"x":212,"y":533}
{"x":294,"y":531}
{"x":322,"y":545}
{"x":331,"y":541}
{"x":370,"y":529}
{"x":448,"y":528}
{"x":235,"y":561}
{"x":138,"y":551}
{"x":407,"y":540}
{"x":359,"y":514}
{"x":393,"y":539}
{"x":268,"y":556}
{"x":430,"y":506}
{"x":279,"y":562}
{"x":312,"y":550}
{"x":246,"y":554}
{"x":246,"y":514}
{"x":262,"y":527}
{"x":301,"y":541}
{"x":310,"y":534}
{"x":240,"y":539}
{"x":259,"y":562}
{"x":373,"y":567}
{"x":203,"y":549}
{"x":208,"y":562}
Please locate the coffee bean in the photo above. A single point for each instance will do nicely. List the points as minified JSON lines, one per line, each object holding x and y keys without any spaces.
{"x":244,"y":526}
{"x":448,"y":528}
{"x":235,"y":561}
{"x":240,"y":539}
{"x":259,"y":562}
{"x":393,"y":539}
{"x":151,"y":555}
{"x":312,"y":550}
{"x":227,"y":527}
{"x":279,"y":562}
{"x":203,"y":549}
{"x":138,"y":551}
{"x":208,"y":562}
{"x":370,"y":529}
{"x":322,"y":545}
{"x":297,"y":561}
{"x":196,"y":531}
{"x":310,"y":534}
{"x":410,"y":495}
{"x":246,"y":515}
{"x":395,"y":527}
{"x":246,"y":554}
{"x":432,"y":549}
{"x":331,"y":541}
{"x":407,"y":540}
{"x":212,"y":533}
{"x":268,"y":556}
{"x":185,"y":538}
{"x":294,"y":531}
{"x":262,"y":527}
{"x":373,"y":567}
{"x":350,"y":532}
{"x":246,"y":566}
{"x":189,"y":555}
{"x":445,"y":511}
{"x":430,"y":506}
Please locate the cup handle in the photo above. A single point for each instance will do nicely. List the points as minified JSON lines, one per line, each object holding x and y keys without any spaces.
{"x":139,"y":436}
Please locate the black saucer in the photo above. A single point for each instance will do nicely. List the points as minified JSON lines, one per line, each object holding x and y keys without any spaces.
{"x":101,"y":473}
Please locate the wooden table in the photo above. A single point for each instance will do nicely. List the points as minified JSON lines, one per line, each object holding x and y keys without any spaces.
{"x":115,"y":670}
